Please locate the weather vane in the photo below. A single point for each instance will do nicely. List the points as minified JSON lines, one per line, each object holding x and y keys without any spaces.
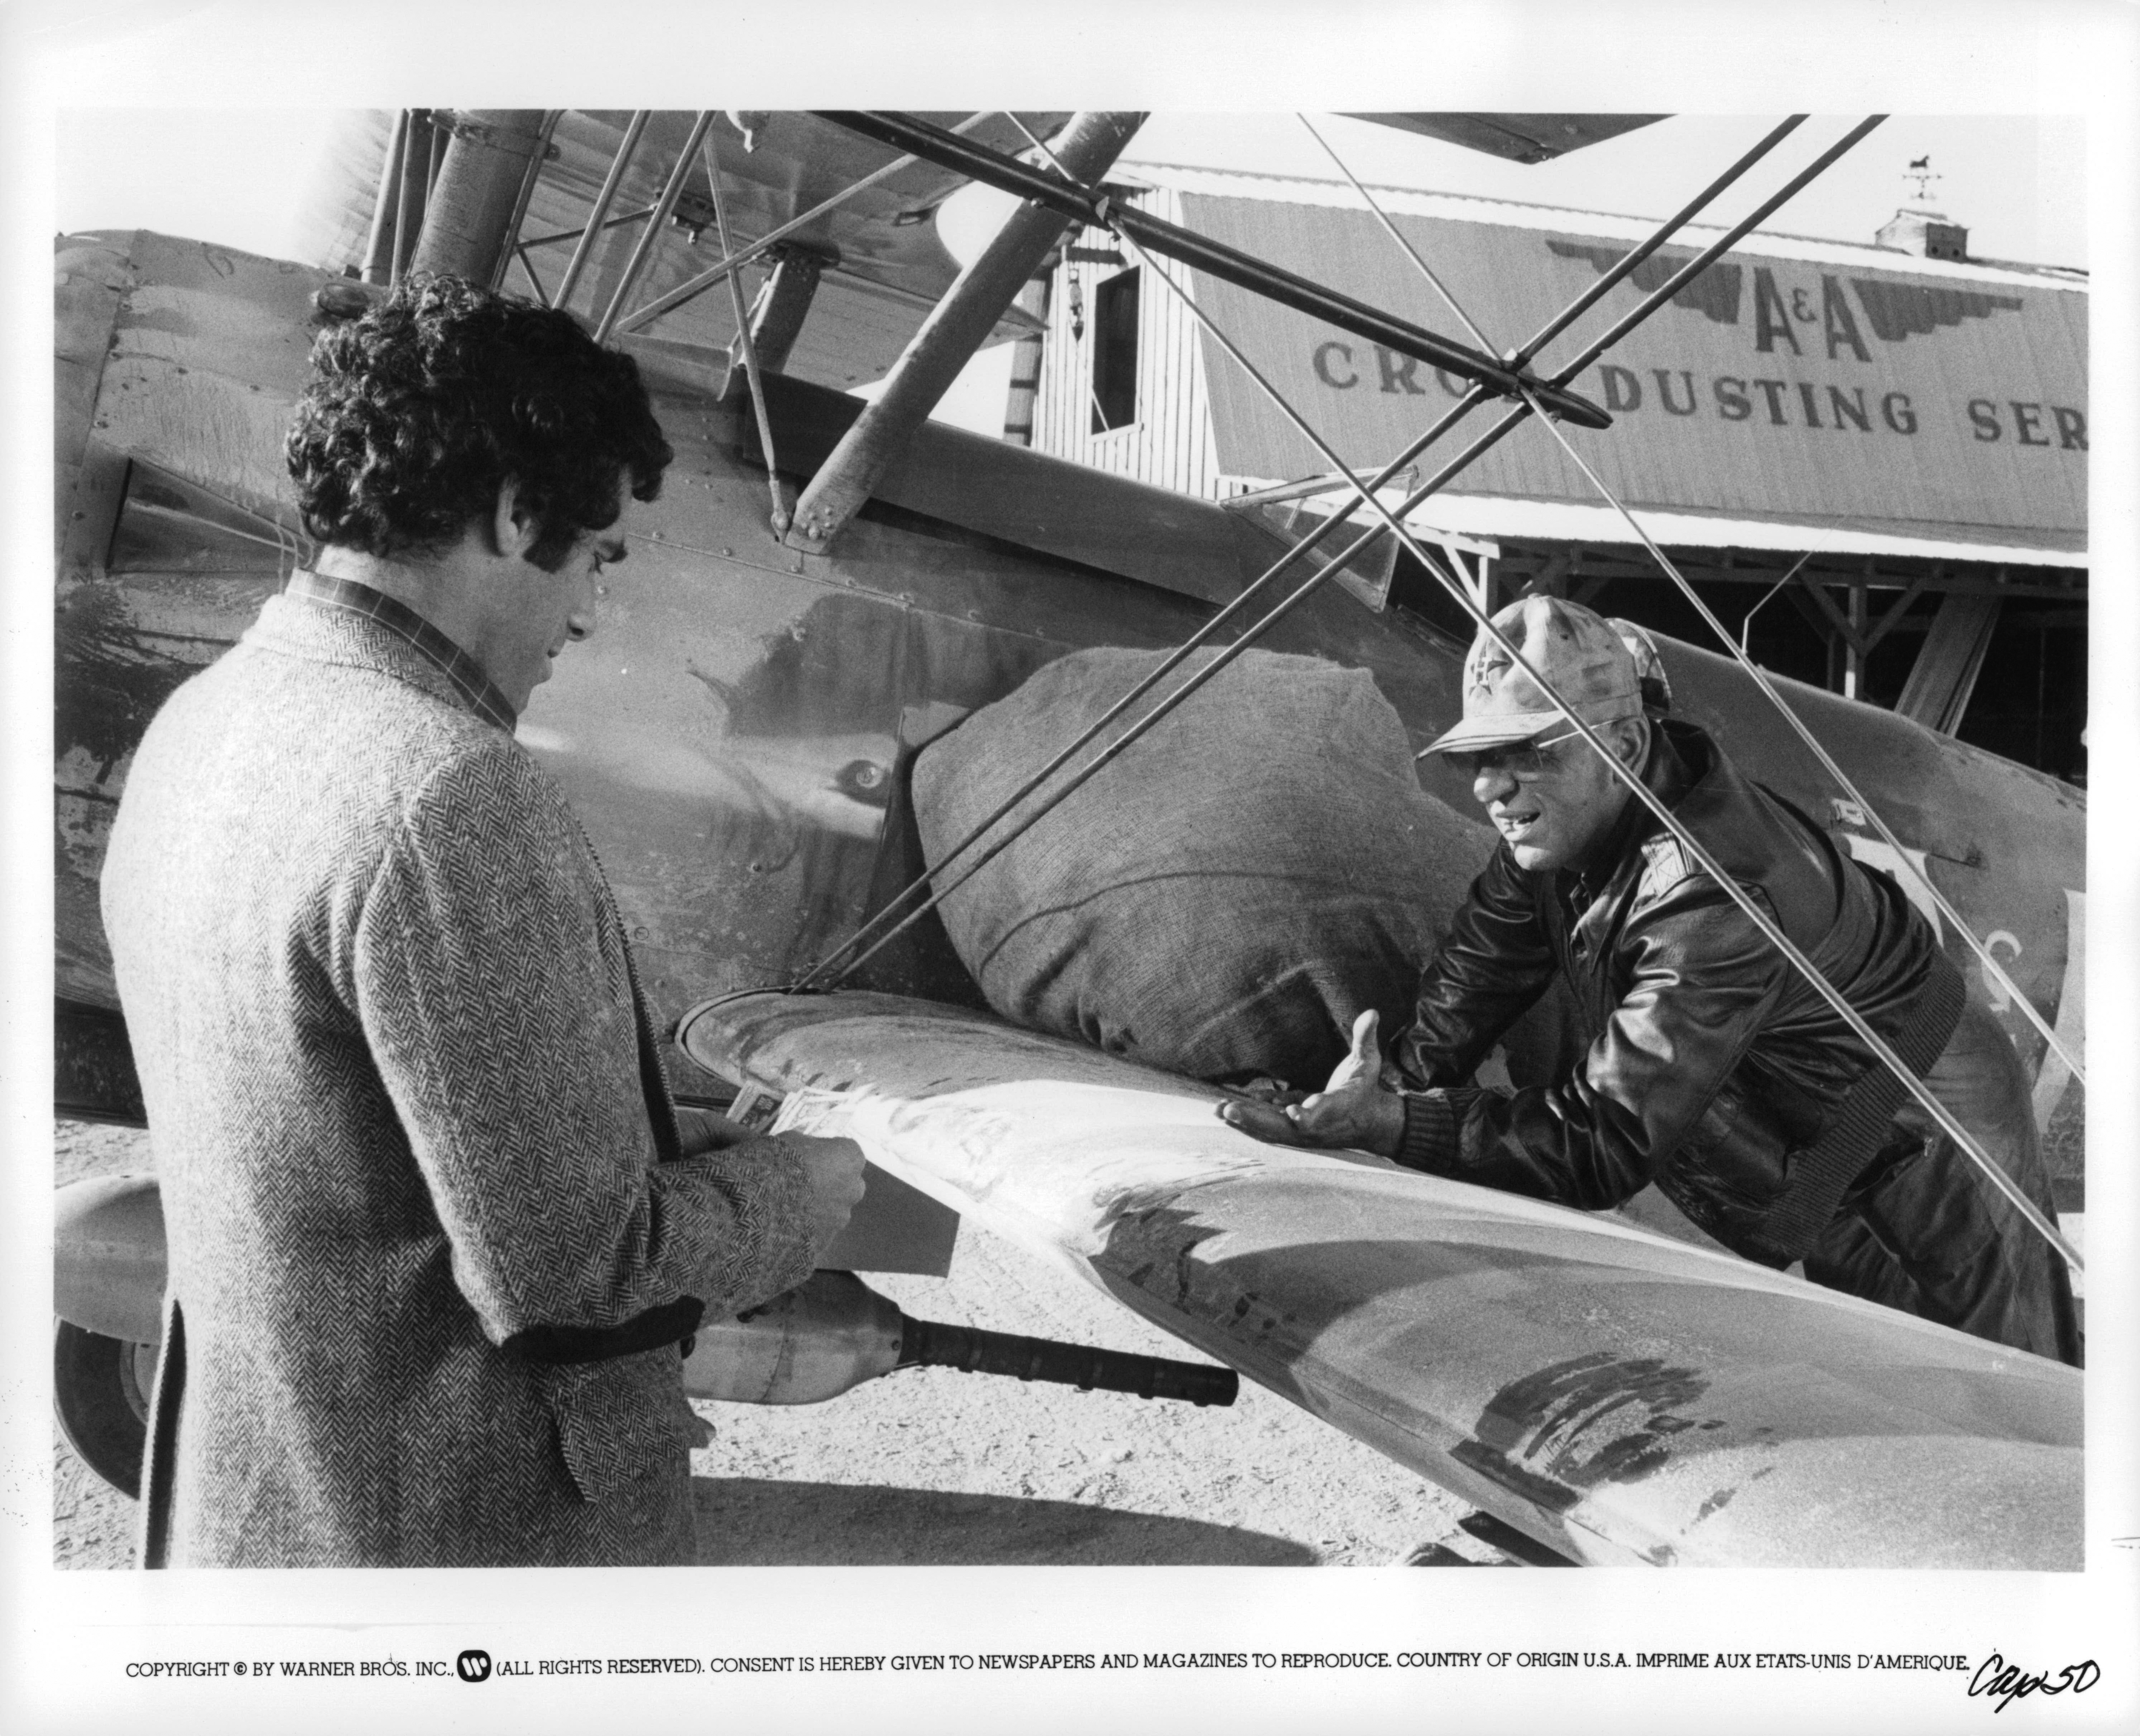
{"x":1920,"y":171}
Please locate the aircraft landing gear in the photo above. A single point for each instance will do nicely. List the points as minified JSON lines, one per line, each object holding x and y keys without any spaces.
{"x":100,"y":1388}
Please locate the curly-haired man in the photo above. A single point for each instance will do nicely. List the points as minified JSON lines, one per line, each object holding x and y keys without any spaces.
{"x":436,"y":1229}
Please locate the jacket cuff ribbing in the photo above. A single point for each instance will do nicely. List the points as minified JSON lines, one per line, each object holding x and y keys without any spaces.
{"x":1433,"y":1120}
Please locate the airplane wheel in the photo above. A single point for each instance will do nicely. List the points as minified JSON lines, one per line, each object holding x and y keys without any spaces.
{"x":100,"y":1391}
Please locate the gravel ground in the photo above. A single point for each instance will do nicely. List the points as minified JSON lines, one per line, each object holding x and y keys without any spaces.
{"x":92,"y":1522}
{"x":930,"y":1466}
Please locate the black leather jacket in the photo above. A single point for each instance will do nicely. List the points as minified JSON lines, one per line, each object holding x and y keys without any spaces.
{"x":1714,"y":1068}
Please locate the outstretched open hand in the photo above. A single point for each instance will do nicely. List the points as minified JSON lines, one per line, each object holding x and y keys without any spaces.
{"x":1354,"y":1110}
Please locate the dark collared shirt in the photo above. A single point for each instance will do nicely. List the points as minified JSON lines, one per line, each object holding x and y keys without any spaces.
{"x":454,"y":663}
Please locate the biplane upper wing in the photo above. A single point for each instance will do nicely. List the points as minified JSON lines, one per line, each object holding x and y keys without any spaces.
{"x":1521,"y":138}
{"x":1618,"y":1396}
{"x":884,"y":266}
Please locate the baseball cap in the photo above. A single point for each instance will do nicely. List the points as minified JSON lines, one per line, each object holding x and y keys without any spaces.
{"x":1585,"y":657}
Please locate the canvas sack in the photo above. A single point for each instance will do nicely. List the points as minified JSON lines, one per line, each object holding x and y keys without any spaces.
{"x":1223,"y":899}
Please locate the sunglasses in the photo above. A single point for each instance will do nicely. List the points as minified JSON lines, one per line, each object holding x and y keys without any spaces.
{"x":1519,"y":759}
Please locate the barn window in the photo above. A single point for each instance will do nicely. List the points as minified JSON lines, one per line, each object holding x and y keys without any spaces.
{"x":1115,"y":352}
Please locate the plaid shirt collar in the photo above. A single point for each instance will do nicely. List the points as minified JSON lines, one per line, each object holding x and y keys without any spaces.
{"x":451,"y":661}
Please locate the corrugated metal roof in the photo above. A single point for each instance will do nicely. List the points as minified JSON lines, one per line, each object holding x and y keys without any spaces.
{"x":1851,"y":388}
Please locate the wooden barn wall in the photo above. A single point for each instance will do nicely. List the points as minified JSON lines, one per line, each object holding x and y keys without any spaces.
{"x":1169,"y":444}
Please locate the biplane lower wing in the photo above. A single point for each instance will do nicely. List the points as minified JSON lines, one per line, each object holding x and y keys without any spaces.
{"x":1621,"y":1397}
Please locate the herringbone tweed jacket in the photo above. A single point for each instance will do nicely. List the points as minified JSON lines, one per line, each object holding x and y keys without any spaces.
{"x":412,"y":1134}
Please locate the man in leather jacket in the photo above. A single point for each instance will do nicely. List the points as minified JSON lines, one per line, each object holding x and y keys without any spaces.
{"x":1713,"y":1067}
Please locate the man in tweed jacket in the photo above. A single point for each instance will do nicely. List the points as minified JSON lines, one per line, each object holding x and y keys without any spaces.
{"x":435,"y":1233}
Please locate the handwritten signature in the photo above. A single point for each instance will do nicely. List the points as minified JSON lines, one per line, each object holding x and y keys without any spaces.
{"x":1995,"y":1675}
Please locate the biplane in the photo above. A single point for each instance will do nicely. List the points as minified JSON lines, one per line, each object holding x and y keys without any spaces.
{"x":825,"y":586}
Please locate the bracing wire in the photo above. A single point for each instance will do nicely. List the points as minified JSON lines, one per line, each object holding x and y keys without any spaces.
{"x":1944,"y":1117}
{"x":1746,"y":621}
{"x":1983,"y":952}
{"x":829,"y":971}
{"x":1798,"y":724}
{"x":1412,"y":252}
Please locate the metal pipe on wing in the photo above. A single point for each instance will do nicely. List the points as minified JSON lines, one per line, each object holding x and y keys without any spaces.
{"x":1269,"y":281}
{"x":832,"y":1332}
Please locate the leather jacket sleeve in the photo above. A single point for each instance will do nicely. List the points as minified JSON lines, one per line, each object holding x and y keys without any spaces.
{"x":1496,"y":960}
{"x":1702,"y":979}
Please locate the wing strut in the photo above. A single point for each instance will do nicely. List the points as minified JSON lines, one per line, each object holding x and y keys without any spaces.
{"x":486,"y":173}
{"x":598,"y":219}
{"x":652,"y":234}
{"x":956,"y":327}
{"x":743,"y":336}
